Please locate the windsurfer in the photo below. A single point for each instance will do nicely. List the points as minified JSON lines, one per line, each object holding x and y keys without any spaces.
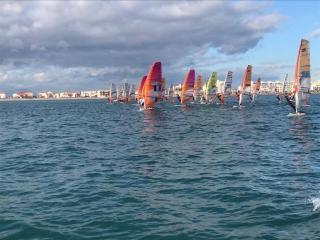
{"x":238,"y":95}
{"x":179,"y":98}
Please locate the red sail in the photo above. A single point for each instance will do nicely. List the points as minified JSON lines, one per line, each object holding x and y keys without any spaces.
{"x":152,"y":88}
{"x":246,"y":80}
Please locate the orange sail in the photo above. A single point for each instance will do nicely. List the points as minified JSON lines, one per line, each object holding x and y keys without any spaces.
{"x":246,"y":80}
{"x":152,"y":86}
{"x":140,"y":89}
{"x":187,"y":88}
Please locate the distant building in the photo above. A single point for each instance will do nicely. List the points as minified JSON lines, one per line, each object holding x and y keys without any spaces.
{"x":67,"y":95}
{"x":273,"y":87}
{"x":3,"y":95}
{"x":23,"y":95}
{"x":103,"y":93}
{"x":46,"y":95}
{"x":88,"y":94}
{"x":315,"y":86}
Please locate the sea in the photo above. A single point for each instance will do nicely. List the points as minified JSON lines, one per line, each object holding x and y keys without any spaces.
{"x":85,"y":169}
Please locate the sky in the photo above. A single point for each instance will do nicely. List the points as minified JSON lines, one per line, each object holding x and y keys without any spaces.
{"x":87,"y":45}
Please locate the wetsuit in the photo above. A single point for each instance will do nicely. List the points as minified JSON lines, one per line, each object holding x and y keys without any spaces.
{"x":290,"y":101}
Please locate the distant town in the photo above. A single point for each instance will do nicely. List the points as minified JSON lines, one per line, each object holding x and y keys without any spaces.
{"x":266,"y":88}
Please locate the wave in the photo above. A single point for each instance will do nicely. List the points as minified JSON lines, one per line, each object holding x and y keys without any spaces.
{"x":315,"y":202}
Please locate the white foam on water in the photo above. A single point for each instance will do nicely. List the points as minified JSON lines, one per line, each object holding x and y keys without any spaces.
{"x":296,"y":114}
{"x":315,"y":202}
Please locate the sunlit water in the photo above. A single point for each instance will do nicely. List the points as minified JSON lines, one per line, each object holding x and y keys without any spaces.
{"x":89,"y":170}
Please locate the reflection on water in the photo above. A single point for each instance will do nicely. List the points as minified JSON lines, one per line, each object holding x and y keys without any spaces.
{"x":301,"y":131}
{"x":151,"y":121}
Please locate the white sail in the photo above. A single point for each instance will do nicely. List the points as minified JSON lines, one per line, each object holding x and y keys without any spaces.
{"x":284,"y":84}
{"x":132,"y":92}
{"x":113,"y":93}
{"x":227,"y":83}
{"x":304,"y":67}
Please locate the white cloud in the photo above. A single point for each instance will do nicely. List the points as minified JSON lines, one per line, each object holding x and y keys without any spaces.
{"x":315,"y":33}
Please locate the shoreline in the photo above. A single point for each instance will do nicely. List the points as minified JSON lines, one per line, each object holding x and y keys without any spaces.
{"x":84,"y":98}
{"x":48,"y":99}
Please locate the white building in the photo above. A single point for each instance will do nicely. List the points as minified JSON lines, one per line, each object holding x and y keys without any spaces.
{"x":102,"y":93}
{"x":88,"y":94}
{"x":23,"y":95}
{"x":67,"y":95}
{"x":46,"y":95}
{"x":272,"y":87}
{"x":315,"y":86}
{"x":3,"y":95}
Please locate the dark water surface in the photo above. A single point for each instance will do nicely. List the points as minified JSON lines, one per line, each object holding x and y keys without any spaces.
{"x":87,"y":170}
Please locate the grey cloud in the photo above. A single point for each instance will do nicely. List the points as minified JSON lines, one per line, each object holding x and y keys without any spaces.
{"x":123,"y":35}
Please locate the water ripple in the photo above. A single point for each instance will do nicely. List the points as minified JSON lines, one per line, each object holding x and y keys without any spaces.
{"x":88,"y":170}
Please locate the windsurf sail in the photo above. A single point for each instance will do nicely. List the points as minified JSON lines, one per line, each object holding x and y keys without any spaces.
{"x":113,"y":93}
{"x":152,"y":88}
{"x":132,"y":92}
{"x":197,"y":93}
{"x":211,"y":87}
{"x":255,"y":89}
{"x":187,"y":87}
{"x":126,"y":91}
{"x":245,"y":87}
{"x":119,"y":93}
{"x":302,"y":78}
{"x":226,"y":87}
{"x":284,"y":84}
{"x":227,"y":83}
{"x":304,"y":72}
{"x":140,"y":89}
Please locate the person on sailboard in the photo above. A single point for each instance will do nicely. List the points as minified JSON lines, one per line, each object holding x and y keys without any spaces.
{"x":290,"y":99}
{"x":219,"y":96}
{"x":141,"y":102}
{"x":238,"y":95}
{"x":179,"y":98}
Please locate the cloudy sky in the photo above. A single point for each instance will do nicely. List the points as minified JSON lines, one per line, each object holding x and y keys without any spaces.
{"x":77,"y":45}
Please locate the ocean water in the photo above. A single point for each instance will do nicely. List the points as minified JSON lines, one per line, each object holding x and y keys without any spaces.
{"x":88,"y":170}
